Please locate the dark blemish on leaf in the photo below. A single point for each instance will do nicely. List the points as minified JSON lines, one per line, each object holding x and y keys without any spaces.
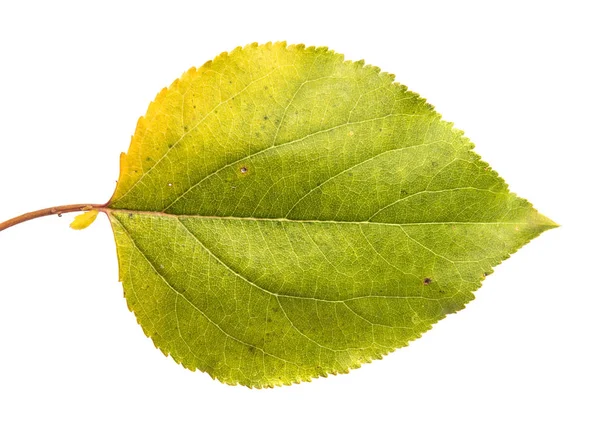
{"x":485,"y":274}
{"x":130,"y":215}
{"x":427,"y":281}
{"x":266,"y":117}
{"x":434,"y":164}
{"x":243,"y":169}
{"x":269,"y":320}
{"x":170,"y":145}
{"x":275,"y":309}
{"x":266,"y":87}
{"x":148,"y":159}
{"x":185,"y":128}
{"x":230,"y":82}
{"x":251,"y":348}
{"x":403,"y":192}
{"x":194,"y":106}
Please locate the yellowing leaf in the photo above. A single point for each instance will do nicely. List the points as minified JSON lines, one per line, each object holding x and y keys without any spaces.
{"x":283,"y":214}
{"x":82,"y":221}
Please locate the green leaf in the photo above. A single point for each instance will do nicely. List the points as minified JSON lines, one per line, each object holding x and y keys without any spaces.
{"x":284,"y":214}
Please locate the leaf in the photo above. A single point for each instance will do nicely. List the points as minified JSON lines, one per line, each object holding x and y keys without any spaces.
{"x":85,"y":219}
{"x":283,"y":214}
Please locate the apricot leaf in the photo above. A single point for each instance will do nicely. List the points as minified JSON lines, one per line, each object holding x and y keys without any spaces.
{"x":283,"y":214}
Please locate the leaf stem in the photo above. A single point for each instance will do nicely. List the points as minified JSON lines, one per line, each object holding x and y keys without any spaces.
{"x":55,"y":210}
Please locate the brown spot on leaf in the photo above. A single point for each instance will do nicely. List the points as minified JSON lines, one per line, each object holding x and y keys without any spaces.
{"x":427,"y":281}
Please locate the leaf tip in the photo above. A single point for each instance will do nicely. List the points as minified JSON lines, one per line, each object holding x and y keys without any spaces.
{"x":543,"y":222}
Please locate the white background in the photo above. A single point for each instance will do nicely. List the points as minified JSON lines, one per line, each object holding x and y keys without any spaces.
{"x":519,"y":364}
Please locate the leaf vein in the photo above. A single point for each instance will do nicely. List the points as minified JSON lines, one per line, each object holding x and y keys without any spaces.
{"x":193,"y":128}
{"x":260,"y":288}
{"x":178,"y":293}
{"x":402,"y":148}
{"x":269,"y":148}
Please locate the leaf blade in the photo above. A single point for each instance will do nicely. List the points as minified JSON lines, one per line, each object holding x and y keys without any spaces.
{"x":312,"y":243}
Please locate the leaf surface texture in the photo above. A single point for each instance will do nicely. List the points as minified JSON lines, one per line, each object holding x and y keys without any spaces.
{"x":283,"y":214}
